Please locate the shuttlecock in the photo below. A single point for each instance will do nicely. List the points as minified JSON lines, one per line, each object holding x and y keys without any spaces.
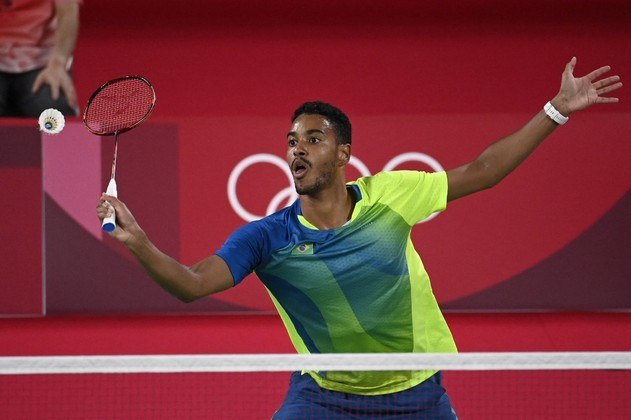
{"x":51,"y":121}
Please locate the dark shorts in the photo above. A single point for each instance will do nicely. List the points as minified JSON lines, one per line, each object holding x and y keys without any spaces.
{"x":306,"y":400}
{"x":17,"y":100}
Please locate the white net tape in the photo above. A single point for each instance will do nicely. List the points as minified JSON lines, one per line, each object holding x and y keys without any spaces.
{"x":319,"y":362}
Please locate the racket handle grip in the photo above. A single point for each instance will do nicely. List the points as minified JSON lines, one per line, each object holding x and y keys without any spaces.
{"x":109,"y":223}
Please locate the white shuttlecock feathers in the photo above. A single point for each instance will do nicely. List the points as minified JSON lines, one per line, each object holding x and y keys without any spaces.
{"x":51,"y":121}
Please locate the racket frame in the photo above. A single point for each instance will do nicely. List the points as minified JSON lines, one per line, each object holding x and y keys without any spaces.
{"x":109,"y":83}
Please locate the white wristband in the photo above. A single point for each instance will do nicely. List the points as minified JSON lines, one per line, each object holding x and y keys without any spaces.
{"x":555,"y":115}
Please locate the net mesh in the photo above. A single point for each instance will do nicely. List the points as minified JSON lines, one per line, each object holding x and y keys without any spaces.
{"x":491,"y":386}
{"x":119,"y":105}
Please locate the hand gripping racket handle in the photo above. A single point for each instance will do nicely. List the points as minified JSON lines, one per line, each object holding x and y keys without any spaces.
{"x":109,"y":223}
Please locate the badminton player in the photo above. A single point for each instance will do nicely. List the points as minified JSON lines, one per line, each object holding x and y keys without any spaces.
{"x":339,"y":264}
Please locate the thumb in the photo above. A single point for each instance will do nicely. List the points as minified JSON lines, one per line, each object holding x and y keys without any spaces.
{"x":569,"y":67}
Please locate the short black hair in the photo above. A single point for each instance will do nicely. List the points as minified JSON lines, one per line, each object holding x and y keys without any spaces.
{"x":336,"y":117}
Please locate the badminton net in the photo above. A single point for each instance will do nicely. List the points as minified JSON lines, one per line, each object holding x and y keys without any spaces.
{"x":550,"y":385}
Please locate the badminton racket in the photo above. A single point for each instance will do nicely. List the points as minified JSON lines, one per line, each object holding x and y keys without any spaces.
{"x":115,"y":107}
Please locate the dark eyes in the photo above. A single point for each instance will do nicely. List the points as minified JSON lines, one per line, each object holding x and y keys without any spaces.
{"x":294,"y":142}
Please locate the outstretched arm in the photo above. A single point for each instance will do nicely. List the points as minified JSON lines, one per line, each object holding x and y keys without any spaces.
{"x":502,"y":157}
{"x":211,"y":275}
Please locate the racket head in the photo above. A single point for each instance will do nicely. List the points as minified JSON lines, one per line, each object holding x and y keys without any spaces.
{"x":119,"y":105}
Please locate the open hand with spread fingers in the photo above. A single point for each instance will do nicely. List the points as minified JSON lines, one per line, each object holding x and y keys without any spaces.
{"x":579,"y":93}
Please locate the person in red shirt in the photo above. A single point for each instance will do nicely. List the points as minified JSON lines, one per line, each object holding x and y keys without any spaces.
{"x":37,"y":41}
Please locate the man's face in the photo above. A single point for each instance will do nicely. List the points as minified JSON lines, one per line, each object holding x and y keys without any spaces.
{"x":313,"y":154}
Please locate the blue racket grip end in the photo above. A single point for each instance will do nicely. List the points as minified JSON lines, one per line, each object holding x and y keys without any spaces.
{"x":109,"y":227}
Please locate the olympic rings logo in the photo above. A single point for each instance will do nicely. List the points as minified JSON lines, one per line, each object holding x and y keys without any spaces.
{"x":288,"y":195}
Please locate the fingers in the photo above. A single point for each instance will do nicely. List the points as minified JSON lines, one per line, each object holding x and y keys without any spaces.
{"x":107,"y":204}
{"x":607,"y":85}
{"x":606,"y":100}
{"x":111,"y":200}
{"x":104,"y":210}
{"x":124,"y":217}
{"x":69,"y":91}
{"x":39,"y":81}
{"x":606,"y":89}
{"x":57,"y":81}
{"x":569,"y":67}
{"x":54,"y":87}
{"x":608,"y":81}
{"x":597,"y":73}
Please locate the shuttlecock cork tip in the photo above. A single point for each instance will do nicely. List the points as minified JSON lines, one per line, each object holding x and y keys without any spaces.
{"x":51,"y":121}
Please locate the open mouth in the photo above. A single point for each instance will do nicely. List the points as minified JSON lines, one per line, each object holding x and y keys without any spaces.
{"x":299,"y":168}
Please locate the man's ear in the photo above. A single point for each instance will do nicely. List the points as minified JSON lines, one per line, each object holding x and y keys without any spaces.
{"x":343,"y":153}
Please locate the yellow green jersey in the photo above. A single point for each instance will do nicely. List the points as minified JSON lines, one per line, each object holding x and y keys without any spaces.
{"x":360,"y":288}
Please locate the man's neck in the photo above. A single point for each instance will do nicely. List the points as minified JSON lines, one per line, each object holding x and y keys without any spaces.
{"x":329,"y":209}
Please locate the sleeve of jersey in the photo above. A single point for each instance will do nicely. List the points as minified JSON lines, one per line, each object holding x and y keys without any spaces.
{"x":415,"y":195}
{"x":243,"y":251}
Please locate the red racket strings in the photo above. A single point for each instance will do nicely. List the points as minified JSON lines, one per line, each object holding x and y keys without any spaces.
{"x":119,"y":105}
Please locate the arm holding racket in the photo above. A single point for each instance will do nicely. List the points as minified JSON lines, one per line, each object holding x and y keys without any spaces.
{"x":210,"y":275}
{"x":502,"y":157}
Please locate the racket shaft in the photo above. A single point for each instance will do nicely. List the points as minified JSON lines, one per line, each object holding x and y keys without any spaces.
{"x":109,"y":223}
{"x":114,"y":159}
